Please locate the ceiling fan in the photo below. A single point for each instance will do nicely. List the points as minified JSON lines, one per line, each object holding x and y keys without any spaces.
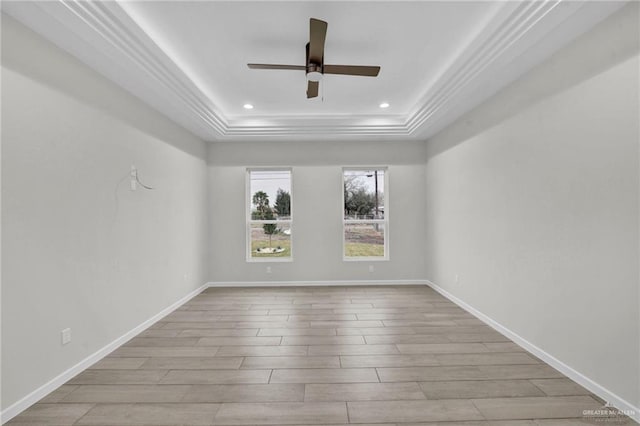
{"x":315,"y":67}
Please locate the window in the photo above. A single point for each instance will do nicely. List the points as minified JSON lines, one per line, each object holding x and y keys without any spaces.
{"x":366,"y":217}
{"x":268,"y":214}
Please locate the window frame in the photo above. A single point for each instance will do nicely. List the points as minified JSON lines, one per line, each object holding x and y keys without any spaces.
{"x":249,"y":221}
{"x":384,"y":221}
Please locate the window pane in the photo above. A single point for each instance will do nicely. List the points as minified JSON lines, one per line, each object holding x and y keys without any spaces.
{"x":364,"y":194}
{"x":270,"y":194}
{"x":270,"y":240}
{"x":364,"y":240}
{"x":269,"y":199}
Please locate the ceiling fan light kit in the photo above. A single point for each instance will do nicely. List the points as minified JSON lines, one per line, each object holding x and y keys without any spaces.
{"x":315,"y":67}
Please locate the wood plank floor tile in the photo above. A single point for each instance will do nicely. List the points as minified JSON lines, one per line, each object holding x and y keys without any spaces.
{"x":354,"y":361}
{"x":502,"y":347}
{"x":363,"y":392}
{"x":322,"y":317}
{"x":193,"y":363}
{"x":190,"y":325}
{"x":419,"y":323}
{"x":146,"y":352}
{"x":578,"y":421}
{"x":352,"y":349}
{"x":536,"y":407}
{"x":291,"y":362}
{"x":108,"y":394}
{"x":161,"y":341}
{"x":350,"y":310}
{"x":513,"y":372}
{"x":151,"y":414}
{"x":215,"y":377}
{"x":297,"y":332}
{"x":466,"y":372}
{"x":118,"y":363}
{"x":287,"y":309}
{"x":406,"y":338}
{"x":287,"y":392}
{"x":262,"y":351}
{"x":217,"y":332}
{"x":273,"y":324}
{"x":157,"y":332}
{"x":224,"y":310}
{"x":478,"y":423}
{"x":51,"y":414}
{"x":560,"y":387}
{"x":479,"y":389}
{"x":476,"y":337}
{"x":390,"y":316}
{"x":340,"y":305}
{"x":322,"y":340}
{"x":58,"y":394}
{"x":239,"y":341}
{"x":469,"y":321}
{"x":253,"y":318}
{"x":412,"y":411}
{"x":344,"y":324}
{"x":452,"y":348}
{"x":118,"y":377}
{"x":374,"y":331}
{"x":281,"y":413}
{"x":500,"y":358}
{"x":457,"y":329}
{"x":324,"y":375}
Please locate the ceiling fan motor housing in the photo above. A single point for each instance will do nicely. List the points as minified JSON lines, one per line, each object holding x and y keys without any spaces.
{"x":314,"y":72}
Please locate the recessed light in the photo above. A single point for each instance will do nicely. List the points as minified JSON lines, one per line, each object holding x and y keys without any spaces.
{"x":248,"y":106}
{"x":384,"y":105}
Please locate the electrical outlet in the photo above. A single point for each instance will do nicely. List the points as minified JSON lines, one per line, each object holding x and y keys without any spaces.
{"x":268,"y":269}
{"x":134,"y":178}
{"x":186,"y":277}
{"x":371,"y":268}
{"x":66,"y":336}
{"x":457,"y":279}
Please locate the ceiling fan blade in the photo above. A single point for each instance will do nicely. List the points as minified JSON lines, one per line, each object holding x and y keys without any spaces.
{"x":312,"y":89}
{"x":317,"y":36}
{"x":276,"y":67}
{"x":352,"y":70}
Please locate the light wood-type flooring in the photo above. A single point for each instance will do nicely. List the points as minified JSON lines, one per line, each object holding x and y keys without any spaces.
{"x":400,"y":355}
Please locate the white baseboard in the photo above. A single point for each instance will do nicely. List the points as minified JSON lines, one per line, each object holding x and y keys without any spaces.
{"x":314,"y":283}
{"x":576,"y":376}
{"x":24,"y":403}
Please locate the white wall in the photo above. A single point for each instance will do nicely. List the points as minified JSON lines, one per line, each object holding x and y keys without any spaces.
{"x":317,"y":210}
{"x":533,"y":202}
{"x":79,"y":249}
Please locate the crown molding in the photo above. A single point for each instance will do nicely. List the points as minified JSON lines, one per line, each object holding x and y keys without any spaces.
{"x":521,"y":36}
{"x":105,"y":37}
{"x":502,"y":34}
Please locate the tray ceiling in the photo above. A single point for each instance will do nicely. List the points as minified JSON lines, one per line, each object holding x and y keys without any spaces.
{"x":188,"y":59}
